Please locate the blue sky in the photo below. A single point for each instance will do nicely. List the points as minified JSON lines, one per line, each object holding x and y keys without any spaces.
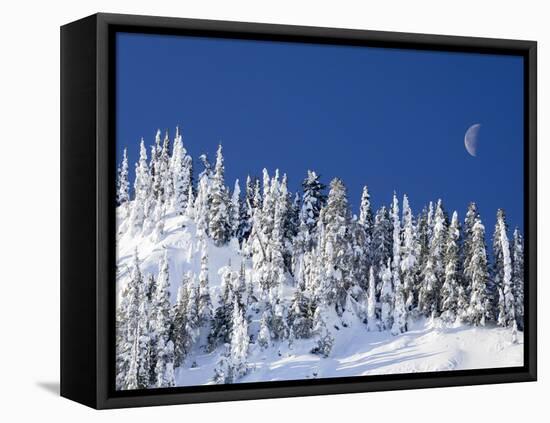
{"x":389,"y":118}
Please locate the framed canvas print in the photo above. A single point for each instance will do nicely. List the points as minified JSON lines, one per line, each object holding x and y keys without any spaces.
{"x":256,"y":211}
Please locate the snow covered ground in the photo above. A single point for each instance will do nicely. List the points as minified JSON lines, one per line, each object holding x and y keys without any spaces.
{"x":357,"y":352}
{"x":427,"y":346}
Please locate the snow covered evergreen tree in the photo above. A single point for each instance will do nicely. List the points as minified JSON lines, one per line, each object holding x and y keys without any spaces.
{"x":264,"y":335}
{"x":200,"y":209}
{"x":156,"y":171}
{"x":409,"y":249}
{"x":336,"y":247}
{"x":220,"y":332}
{"x":422,"y":253}
{"x":477,"y":272}
{"x":236,"y":210}
{"x":247,"y":211}
{"x":219,"y":219}
{"x":232,"y":364}
{"x":382,"y":239}
{"x":386,"y":296}
{"x":325,"y":340}
{"x":517,"y":276}
{"x":190,"y":207}
{"x":288,"y":213}
{"x":128,"y":342}
{"x":451,"y":292}
{"x":181,"y":173}
{"x":167,"y":180}
{"x":181,"y":337}
{"x":123,"y":186}
{"x":503,"y":273}
{"x":365,"y":213}
{"x":275,"y":249}
{"x":360,"y":258}
{"x":193,"y":310}
{"x":204,"y":300}
{"x":399,"y":310}
{"x":372,"y":321}
{"x":312,"y":201}
{"x":239,"y":342}
{"x":300,"y":318}
{"x":162,"y":320}
{"x":141,"y":192}
{"x":434,"y":270}
{"x":164,"y":368}
{"x":468,"y":229}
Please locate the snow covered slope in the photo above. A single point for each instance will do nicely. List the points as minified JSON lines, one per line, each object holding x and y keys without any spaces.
{"x":426,"y":346}
{"x":357,"y":352}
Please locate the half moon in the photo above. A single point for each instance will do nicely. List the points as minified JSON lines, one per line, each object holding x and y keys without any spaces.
{"x":471,"y":139}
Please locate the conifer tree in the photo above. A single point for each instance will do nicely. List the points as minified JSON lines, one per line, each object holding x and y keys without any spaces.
{"x":204,"y":300}
{"x":503,"y":273}
{"x":287,"y":212}
{"x":247,"y":211}
{"x":123,"y":187}
{"x":258,"y":199}
{"x":477,"y":272}
{"x":236,"y":210}
{"x":150,"y":288}
{"x":239,"y":342}
{"x":299,"y":315}
{"x":219,"y":219}
{"x":335,"y":241}
{"x":365,"y":213}
{"x":360,"y":258}
{"x":167,"y":190}
{"x":382,"y":244}
{"x":193,"y":323}
{"x":267,"y":215}
{"x":181,"y":173}
{"x":156,"y":169}
{"x":141,"y":190}
{"x":131,"y":379}
{"x":161,"y":319}
{"x":220,"y":332}
{"x":164,"y":368}
{"x":279,"y":318}
{"x":275,"y":268}
{"x":409,"y":249}
{"x":451,"y":290}
{"x":372,"y":322}
{"x":433,"y":272}
{"x":312,"y":201}
{"x":144,"y":339}
{"x":128,"y":328}
{"x":264,"y":335}
{"x":223,"y":373}
{"x":158,"y":230}
{"x":181,"y":337}
{"x":325,"y":340}
{"x":468,"y":229}
{"x":517,"y":276}
{"x":399,"y":317}
{"x":422,"y":252}
{"x":190,"y":207}
{"x":386,"y":296}
{"x":399,"y":313}
{"x":200,"y":209}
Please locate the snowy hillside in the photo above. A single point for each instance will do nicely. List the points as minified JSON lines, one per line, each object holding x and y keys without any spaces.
{"x":427,"y":346}
{"x":219,"y":286}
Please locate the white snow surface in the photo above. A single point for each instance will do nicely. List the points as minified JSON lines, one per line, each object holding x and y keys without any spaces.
{"x":427,"y":346}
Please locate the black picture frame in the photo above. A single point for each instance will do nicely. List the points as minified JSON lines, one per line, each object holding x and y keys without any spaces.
{"x":87,"y":212}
